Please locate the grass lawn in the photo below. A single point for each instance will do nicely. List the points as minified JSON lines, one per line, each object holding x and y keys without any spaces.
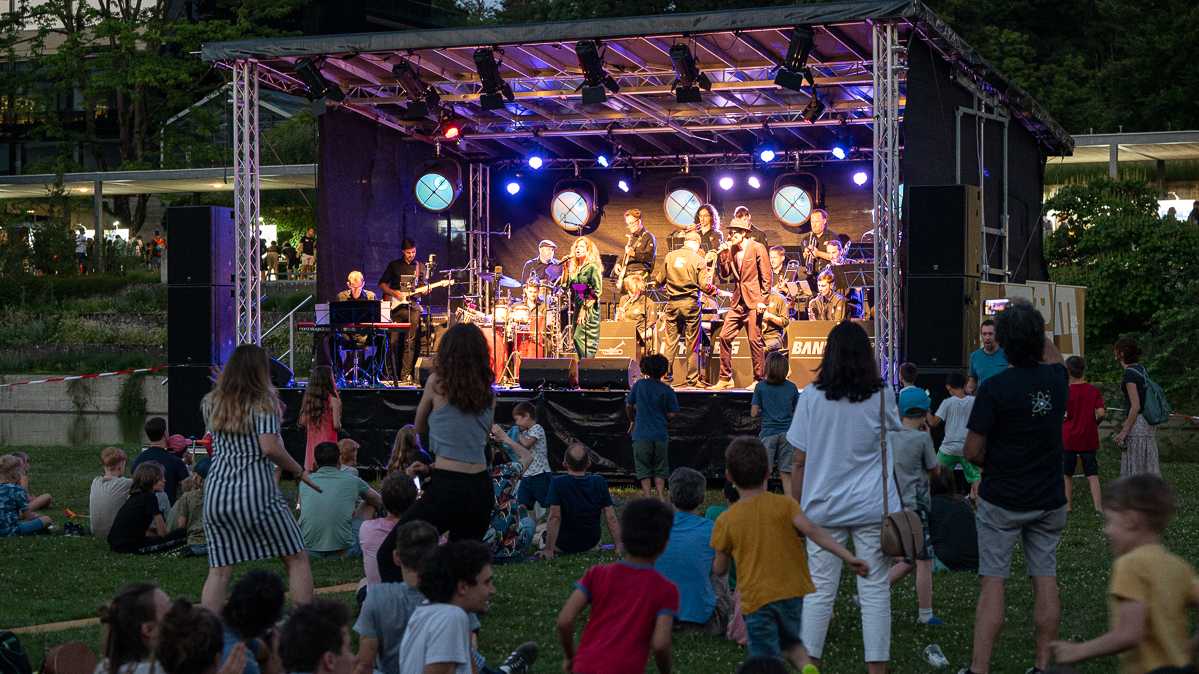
{"x":55,"y":578}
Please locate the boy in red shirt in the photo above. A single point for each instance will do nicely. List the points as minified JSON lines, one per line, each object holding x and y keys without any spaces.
{"x":632,"y":605}
{"x":1080,"y":431}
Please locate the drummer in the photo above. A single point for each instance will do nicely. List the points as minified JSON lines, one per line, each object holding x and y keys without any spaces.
{"x":544,"y":267}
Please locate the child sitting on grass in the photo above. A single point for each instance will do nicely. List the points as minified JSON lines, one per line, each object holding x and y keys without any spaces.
{"x":108,"y":491}
{"x":759,"y":532}
{"x":347,"y":458}
{"x":140,"y":527}
{"x":188,"y":513}
{"x":650,"y":404}
{"x":1151,"y":589}
{"x":36,"y":503}
{"x":632,"y":605}
{"x":407,"y":455}
{"x":16,"y":517}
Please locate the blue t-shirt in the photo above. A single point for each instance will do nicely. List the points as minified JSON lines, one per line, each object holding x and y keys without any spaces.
{"x":985,"y":365}
{"x":687,"y":562}
{"x":231,"y":640}
{"x":582,"y":499}
{"x":13,"y":501}
{"x":778,"y":406}
{"x":653,"y":400}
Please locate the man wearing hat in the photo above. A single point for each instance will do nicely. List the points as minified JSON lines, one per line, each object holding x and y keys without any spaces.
{"x":188,"y":512}
{"x":747,"y":263}
{"x":544,"y":267}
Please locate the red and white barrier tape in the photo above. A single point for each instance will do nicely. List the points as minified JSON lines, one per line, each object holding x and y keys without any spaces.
{"x":73,"y":377}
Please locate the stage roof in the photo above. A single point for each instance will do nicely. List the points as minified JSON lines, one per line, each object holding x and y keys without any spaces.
{"x":739,"y":51}
{"x":160,"y":181}
{"x":1133,"y":146}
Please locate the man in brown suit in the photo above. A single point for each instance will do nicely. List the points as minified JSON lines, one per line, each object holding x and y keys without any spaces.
{"x":747,"y":262}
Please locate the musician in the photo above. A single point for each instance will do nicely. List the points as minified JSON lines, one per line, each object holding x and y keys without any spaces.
{"x":640,"y":249}
{"x":544,"y":267}
{"x":836,"y":251}
{"x":584,"y":280}
{"x":828,"y":305}
{"x":745,"y":261}
{"x":774,"y":322}
{"x":397,"y":283}
{"x":355,"y":288}
{"x":637,"y":307}
{"x":354,"y":342}
{"x":816,"y":256}
{"x":683,"y":276}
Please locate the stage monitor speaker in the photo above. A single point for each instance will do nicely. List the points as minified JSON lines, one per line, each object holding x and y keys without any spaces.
{"x":942,"y":320}
{"x":186,"y":387}
{"x":743,"y":365}
{"x":203,"y":242}
{"x":201,"y":324}
{"x":613,"y":374}
{"x":281,"y":375}
{"x":424,"y":368}
{"x":618,"y":339}
{"x":554,"y":373}
{"x":944,"y":230}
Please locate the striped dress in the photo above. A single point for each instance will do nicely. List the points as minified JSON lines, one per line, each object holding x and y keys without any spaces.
{"x":245,"y":514}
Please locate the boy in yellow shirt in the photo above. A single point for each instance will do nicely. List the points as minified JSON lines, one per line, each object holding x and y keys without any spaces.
{"x":1151,"y":588}
{"x":759,"y":532}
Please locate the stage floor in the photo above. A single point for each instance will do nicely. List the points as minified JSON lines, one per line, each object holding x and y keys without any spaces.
{"x":707,"y":421}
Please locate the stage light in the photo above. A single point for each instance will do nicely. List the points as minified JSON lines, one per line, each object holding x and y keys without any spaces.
{"x":814,"y":109}
{"x":595,"y":78}
{"x":754,"y":182}
{"x":450,"y":129}
{"x":725,"y":182}
{"x":688,"y":77}
{"x":623,"y":185}
{"x":793,"y":70}
{"x":839,"y":151}
{"x":495,"y":89}
{"x":422,"y":97}
{"x":536,"y":161}
{"x":602,"y":160}
{"x":317,"y":85}
{"x":513,"y":187}
{"x":860,"y":178}
{"x":767,"y":155}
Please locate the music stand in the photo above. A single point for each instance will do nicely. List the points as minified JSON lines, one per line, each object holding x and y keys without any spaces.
{"x":355,"y":311}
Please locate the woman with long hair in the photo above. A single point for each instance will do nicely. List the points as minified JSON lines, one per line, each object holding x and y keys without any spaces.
{"x":131,"y":622}
{"x":320,"y":412}
{"x":455,"y":414}
{"x":1136,"y":436}
{"x":584,"y":280}
{"x":837,"y":475}
{"x":245,"y":515}
{"x":407,"y":455}
{"x":140,"y":526}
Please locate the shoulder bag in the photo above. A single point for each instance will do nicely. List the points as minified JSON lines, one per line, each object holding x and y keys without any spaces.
{"x":903,"y":532}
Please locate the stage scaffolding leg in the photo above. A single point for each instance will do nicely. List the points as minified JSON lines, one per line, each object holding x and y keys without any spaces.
{"x":889,"y":62}
{"x":246,"y":174}
{"x":478,"y":240}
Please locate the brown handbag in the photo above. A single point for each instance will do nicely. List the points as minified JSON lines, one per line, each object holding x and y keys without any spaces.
{"x":903,"y":532}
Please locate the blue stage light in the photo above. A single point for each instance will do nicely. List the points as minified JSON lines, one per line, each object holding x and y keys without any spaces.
{"x":725,"y":182}
{"x":602,"y":160}
{"x":623,"y":185}
{"x":536,"y":161}
{"x":767,"y":155}
{"x":754,"y":182}
{"x":839,"y":151}
{"x":860,"y":178}
{"x":513,"y":187}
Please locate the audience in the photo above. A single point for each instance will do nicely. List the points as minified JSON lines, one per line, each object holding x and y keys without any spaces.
{"x":320,"y":413}
{"x":16,"y":517}
{"x":687,"y":562}
{"x":190,"y":643}
{"x":329,"y":511}
{"x":188,"y":513}
{"x":953,"y":533}
{"x":1015,"y":434}
{"x":954,"y":412}
{"x":174,"y":470}
{"x":1151,"y":589}
{"x":108,"y":492}
{"x":316,"y":639}
{"x":535,"y":485}
{"x":131,"y":629}
{"x":140,"y":527}
{"x":36,"y":503}
{"x":348,"y":455}
{"x":398,"y":493}
{"x":577,"y":500}
{"x":511,"y":529}
{"x":388,"y":606}
{"x":407,"y":455}
{"x":1080,"y":431}
{"x":650,"y":404}
{"x":774,"y":400}
{"x":1136,"y":435}
{"x":632,"y":605}
{"x":255,"y":604}
{"x":907,"y":376}
{"x":762,"y":531}
{"x":915,"y":463}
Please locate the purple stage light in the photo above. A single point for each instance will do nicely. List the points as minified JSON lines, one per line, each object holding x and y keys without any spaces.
{"x":726,"y":182}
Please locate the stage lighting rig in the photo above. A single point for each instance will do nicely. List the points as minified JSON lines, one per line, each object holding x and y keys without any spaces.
{"x":814,"y":108}
{"x":450,"y":129}
{"x":794,"y":68}
{"x":317,"y":85}
{"x":495,"y":89}
{"x":422,"y":97}
{"x":688,"y":77}
{"x":595,"y":78}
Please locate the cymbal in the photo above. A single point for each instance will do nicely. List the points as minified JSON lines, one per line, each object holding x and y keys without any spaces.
{"x":553,"y":271}
{"x":504,"y":281}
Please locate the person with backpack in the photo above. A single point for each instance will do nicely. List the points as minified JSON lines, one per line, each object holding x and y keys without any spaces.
{"x":1144,"y":406}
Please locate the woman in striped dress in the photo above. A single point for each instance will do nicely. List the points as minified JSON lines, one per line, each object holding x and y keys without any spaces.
{"x":245,"y":515}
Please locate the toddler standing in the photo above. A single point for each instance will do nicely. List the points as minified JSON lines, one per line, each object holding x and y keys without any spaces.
{"x":650,"y":404}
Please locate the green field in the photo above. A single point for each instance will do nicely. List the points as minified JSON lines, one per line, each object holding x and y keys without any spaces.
{"x":57,"y":578}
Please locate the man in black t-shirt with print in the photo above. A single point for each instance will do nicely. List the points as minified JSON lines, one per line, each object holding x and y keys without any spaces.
{"x":1015,"y":435}
{"x":308,"y":252}
{"x":398,"y":280}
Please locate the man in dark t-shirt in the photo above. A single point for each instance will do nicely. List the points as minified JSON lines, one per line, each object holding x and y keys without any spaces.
{"x":576,"y":501}
{"x":399,"y":279}
{"x":175,"y":470}
{"x":1015,"y":435}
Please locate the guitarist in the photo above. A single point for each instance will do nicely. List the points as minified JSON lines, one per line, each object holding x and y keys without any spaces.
{"x":404,"y":273}
{"x":639,"y":251}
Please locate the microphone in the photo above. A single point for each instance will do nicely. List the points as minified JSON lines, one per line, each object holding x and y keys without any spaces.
{"x":508,"y":230}
{"x":432,"y":259}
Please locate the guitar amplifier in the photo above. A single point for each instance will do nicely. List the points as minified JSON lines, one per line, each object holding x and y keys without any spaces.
{"x":618,"y":339}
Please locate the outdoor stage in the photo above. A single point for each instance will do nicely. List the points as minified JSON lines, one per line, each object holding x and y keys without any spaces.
{"x":698,"y":435}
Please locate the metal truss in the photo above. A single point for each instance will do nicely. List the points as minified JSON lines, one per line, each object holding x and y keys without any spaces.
{"x":889,"y":64}
{"x":478,"y":240}
{"x":246,"y":176}
{"x":717,"y":159}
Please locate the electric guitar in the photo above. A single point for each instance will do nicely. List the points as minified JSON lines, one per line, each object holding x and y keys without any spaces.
{"x":623,"y":265}
{"x":419,"y":290}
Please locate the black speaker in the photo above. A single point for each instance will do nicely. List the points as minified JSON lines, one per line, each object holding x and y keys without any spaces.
{"x":942,"y":317}
{"x":424,"y":368}
{"x":743,"y":364}
{"x":186,"y":387}
{"x":944,"y":230}
{"x":559,"y":373}
{"x":281,"y":375}
{"x":617,"y":339}
{"x":201,"y":324}
{"x":203,"y":244}
{"x":613,"y":374}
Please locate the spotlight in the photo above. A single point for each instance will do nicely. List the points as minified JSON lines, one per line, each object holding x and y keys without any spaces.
{"x":688,"y":77}
{"x":839,"y":151}
{"x":422,"y":97}
{"x":513,"y":187}
{"x":450,"y":129}
{"x":536,"y":161}
{"x":794,"y":69}
{"x":767,"y":155}
{"x":842,"y":142}
{"x":602,"y":160}
{"x":725,"y":182}
{"x":860,"y":178}
{"x":495,"y":89}
{"x":754,"y":182}
{"x":623,"y":185}
{"x":814,"y":109}
{"x":595,"y":78}
{"x":318,"y":86}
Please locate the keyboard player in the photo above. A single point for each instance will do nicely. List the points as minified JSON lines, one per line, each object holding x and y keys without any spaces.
{"x":353,"y":346}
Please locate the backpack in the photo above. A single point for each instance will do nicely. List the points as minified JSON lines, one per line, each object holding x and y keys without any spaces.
{"x":1155,"y":408}
{"x":12,"y":655}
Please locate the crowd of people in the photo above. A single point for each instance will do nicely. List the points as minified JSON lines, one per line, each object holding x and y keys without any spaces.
{"x":121,"y":255}
{"x":763,"y":570}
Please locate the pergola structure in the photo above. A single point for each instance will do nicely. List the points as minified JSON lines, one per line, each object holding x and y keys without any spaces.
{"x":856,"y":85}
